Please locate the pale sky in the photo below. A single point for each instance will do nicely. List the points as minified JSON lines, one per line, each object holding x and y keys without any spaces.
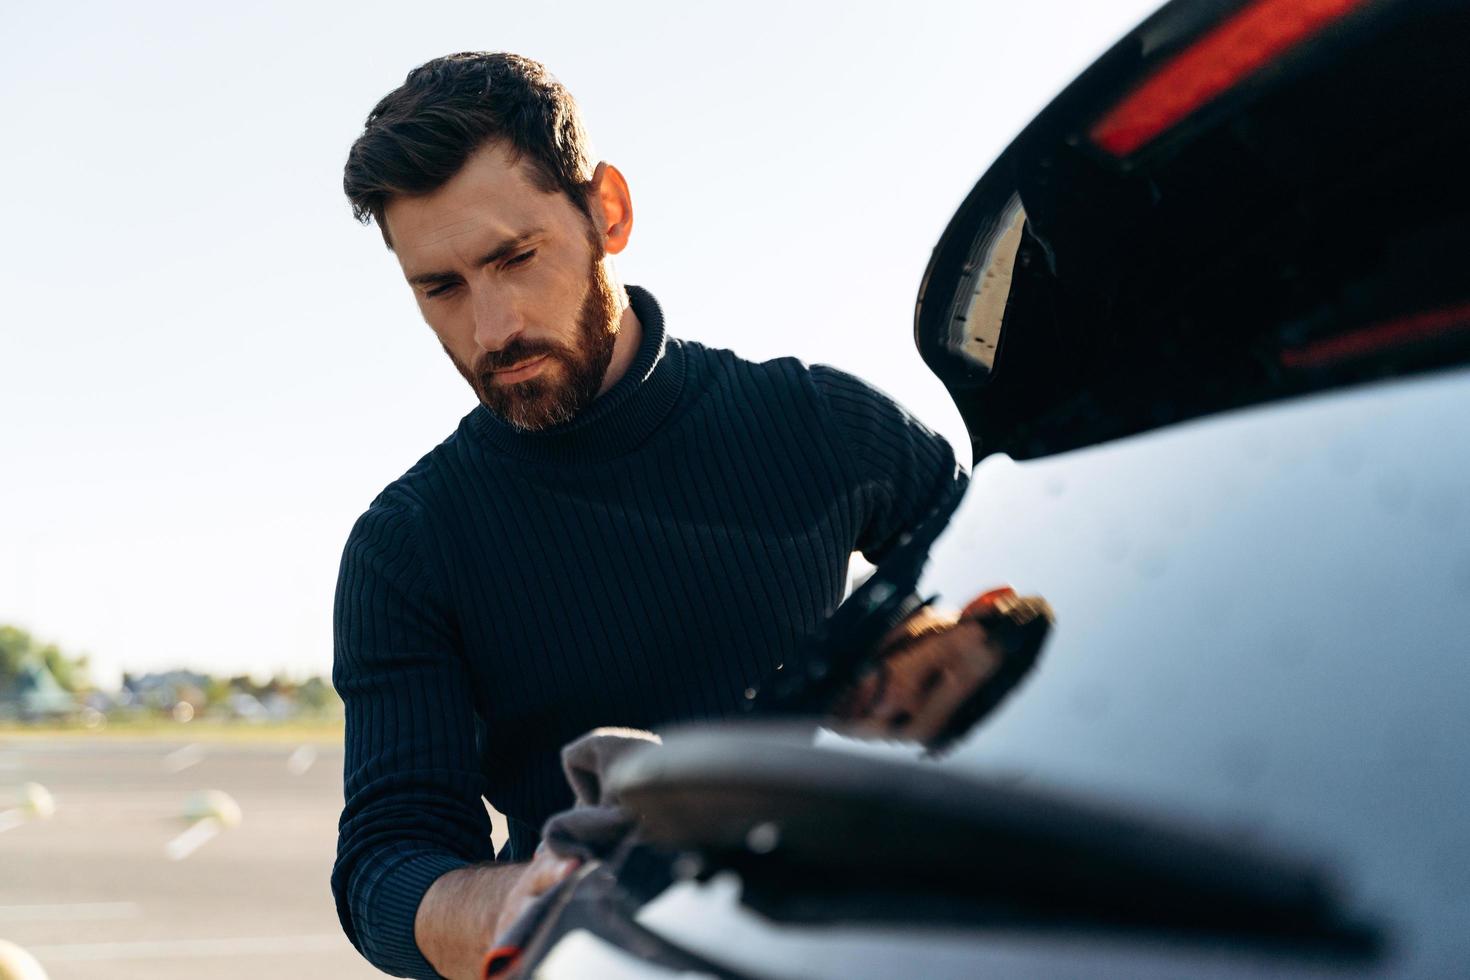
{"x":208,"y":369}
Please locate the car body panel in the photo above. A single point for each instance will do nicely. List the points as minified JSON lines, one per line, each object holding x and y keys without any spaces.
{"x":1262,"y":626}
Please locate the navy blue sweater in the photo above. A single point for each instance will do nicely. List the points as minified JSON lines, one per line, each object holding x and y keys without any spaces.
{"x":642,"y":565}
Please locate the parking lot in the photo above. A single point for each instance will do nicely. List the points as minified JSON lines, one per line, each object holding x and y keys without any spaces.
{"x":118,"y":882}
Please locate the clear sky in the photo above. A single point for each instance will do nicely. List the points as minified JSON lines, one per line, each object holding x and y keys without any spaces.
{"x":208,"y":369}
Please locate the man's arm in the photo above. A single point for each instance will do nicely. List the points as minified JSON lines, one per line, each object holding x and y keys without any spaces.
{"x":412,"y":782}
{"x":902,"y":468}
{"x":936,"y":667}
{"x":463,"y":911}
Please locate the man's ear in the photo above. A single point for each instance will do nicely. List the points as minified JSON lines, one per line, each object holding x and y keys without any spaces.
{"x":611,"y":206}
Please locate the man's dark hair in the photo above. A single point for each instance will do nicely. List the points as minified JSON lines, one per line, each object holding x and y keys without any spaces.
{"x":422,"y":132}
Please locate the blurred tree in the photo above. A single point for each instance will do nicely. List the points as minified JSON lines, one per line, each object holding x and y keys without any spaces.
{"x":316,"y":695}
{"x":18,"y":647}
{"x":217,"y":691}
{"x":15,"y":646}
{"x":70,"y":672}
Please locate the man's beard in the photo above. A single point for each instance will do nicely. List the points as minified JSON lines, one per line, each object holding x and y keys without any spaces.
{"x":542,"y":402}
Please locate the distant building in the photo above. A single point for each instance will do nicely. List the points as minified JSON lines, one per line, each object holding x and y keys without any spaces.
{"x":37,"y":694}
{"x":164,"y":690}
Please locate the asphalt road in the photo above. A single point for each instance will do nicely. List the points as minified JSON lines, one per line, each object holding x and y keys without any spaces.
{"x":93,"y":891}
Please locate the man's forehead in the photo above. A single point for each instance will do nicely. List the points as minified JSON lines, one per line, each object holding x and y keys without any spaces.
{"x":493,"y":196}
{"x":456,"y":232}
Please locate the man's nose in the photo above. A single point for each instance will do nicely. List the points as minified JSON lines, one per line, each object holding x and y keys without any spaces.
{"x":496,"y":321}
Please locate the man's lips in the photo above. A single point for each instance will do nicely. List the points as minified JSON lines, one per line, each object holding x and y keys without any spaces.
{"x":519,"y":372}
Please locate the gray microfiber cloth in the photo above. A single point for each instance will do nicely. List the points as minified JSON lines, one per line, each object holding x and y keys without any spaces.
{"x":596,"y":824}
{"x":591,"y":830}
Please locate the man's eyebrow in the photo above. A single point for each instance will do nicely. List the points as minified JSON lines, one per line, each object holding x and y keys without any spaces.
{"x":500,"y":251}
{"x":433,"y":278}
{"x":509,"y":245}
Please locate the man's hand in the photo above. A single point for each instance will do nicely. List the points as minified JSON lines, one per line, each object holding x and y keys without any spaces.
{"x":935,"y":669}
{"x":930,"y":664}
{"x":464,"y":911}
{"x":543,"y":874}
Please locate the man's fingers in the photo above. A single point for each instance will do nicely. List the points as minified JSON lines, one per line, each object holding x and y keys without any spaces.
{"x":963,"y":671}
{"x":540,"y":876}
{"x":546,"y":871}
{"x":927,"y":683}
{"x":921,"y":623}
{"x":934,"y":666}
{"x":901,"y":700}
{"x":935,"y":661}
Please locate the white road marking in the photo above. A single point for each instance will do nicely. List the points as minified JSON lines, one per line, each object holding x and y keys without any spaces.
{"x":71,"y":912}
{"x":301,"y":760}
{"x":37,"y":801}
{"x":215,"y":804}
{"x":10,"y":819}
{"x":159,"y":949}
{"x":181,"y":759}
{"x":198,"y":834}
{"x":17,"y":964}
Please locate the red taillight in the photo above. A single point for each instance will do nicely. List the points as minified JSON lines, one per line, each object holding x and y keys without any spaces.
{"x":1406,"y":331}
{"x":1253,"y":37}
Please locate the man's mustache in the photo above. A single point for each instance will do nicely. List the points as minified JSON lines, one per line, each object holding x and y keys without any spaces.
{"x":513,"y":353}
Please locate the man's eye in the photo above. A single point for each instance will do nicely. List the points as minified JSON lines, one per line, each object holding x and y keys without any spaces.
{"x":521,"y":259}
{"x":443,"y":290}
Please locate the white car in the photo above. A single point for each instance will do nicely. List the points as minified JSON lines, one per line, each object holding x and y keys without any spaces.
{"x":1207,"y":321}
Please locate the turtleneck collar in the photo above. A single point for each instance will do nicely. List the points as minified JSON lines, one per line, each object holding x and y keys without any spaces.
{"x":619,"y":419}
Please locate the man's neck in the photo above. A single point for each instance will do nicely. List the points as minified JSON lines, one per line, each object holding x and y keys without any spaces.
{"x":625,"y":346}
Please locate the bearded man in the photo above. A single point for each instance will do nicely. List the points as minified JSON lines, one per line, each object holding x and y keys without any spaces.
{"x":628,"y":529}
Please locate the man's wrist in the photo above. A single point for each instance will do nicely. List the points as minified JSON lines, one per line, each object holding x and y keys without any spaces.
{"x":455,"y":922}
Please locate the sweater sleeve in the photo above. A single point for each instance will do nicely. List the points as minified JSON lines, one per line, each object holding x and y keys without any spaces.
{"x":902,"y":467}
{"x":412,"y":783}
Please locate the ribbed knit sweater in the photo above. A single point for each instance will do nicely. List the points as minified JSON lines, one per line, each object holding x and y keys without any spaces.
{"x":641,"y":565}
